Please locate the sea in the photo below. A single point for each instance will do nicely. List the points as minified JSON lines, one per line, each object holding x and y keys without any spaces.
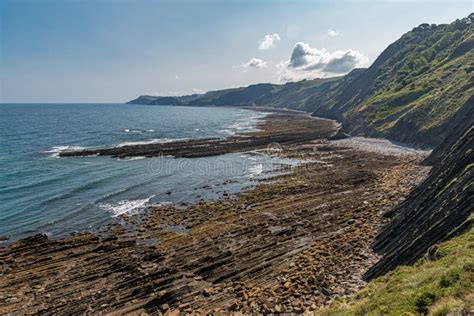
{"x":43,"y":193}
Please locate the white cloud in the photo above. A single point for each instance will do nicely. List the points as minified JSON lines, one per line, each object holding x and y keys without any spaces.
{"x":308,"y":62}
{"x":333,"y":33}
{"x":153,"y":94}
{"x":268,"y":41}
{"x":162,"y":93}
{"x":197,"y":90}
{"x":255,"y":63}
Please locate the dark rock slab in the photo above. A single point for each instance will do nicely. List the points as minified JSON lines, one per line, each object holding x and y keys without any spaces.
{"x":435,"y":211}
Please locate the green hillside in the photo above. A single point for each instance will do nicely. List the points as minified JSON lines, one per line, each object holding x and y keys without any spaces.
{"x":439,"y":284}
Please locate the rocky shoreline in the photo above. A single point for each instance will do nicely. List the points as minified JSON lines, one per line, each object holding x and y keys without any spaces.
{"x":280,"y":127}
{"x":291,"y":244}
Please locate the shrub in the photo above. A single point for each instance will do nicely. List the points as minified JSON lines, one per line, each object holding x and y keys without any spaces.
{"x":449,"y":278}
{"x":424,"y":301}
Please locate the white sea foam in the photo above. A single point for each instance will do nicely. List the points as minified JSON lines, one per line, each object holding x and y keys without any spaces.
{"x":243,"y":124}
{"x":162,"y":204}
{"x":56,"y":150}
{"x":227,"y":131}
{"x":126,"y":207}
{"x":151,"y":141}
{"x":132,"y":158}
{"x":127,"y":130}
{"x":249,"y":157}
{"x":256,"y":170}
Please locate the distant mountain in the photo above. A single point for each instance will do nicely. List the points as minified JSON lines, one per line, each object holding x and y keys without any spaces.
{"x":410,"y":94}
{"x":169,"y":100}
{"x":143,"y":99}
{"x":292,"y":95}
{"x":234,"y":97}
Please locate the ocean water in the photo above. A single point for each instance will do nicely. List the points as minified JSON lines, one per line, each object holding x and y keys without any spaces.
{"x":40,"y":192}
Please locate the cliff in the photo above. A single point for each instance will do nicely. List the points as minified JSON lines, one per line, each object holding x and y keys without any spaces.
{"x":436,"y":210}
{"x":427,"y":263}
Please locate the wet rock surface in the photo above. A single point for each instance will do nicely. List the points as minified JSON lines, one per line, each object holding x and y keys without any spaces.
{"x":290,"y":244}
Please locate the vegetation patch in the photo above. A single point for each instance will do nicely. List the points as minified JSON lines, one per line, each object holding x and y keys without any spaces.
{"x":438,"y":284}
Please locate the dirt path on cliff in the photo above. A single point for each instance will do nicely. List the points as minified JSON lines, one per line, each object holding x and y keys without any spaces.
{"x":290,"y":244}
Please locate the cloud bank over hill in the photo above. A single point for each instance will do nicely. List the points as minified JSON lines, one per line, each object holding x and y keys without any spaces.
{"x":308,"y":62}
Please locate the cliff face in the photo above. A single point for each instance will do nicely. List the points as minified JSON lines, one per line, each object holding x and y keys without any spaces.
{"x":234,"y":97}
{"x":463,"y":119}
{"x":304,"y":95}
{"x":437,"y":209}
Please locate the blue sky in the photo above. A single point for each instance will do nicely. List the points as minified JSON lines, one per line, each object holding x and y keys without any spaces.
{"x":114,"y":50}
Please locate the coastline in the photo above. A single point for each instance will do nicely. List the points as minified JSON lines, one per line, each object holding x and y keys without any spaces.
{"x":280,"y":126}
{"x":290,"y":244}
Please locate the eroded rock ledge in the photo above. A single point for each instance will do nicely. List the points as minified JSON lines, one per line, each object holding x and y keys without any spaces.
{"x":281,"y":127}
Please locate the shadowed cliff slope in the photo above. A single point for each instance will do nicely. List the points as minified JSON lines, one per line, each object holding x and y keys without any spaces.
{"x":436,"y":210}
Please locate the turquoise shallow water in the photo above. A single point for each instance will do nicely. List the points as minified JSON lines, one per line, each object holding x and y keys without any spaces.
{"x":40,"y":192}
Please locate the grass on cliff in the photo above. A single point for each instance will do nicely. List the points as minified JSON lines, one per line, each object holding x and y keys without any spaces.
{"x":441,"y":283}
